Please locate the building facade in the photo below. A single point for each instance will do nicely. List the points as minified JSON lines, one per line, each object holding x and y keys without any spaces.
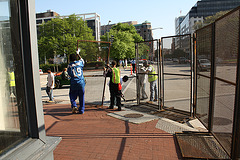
{"x":92,"y":19}
{"x":201,"y":10}
{"x":144,"y":29}
{"x":106,"y":28}
{"x":22,"y":127}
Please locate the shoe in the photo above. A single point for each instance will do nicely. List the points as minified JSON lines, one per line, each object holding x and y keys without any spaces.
{"x":155,"y":100}
{"x":110,"y":107}
{"x":74,"y":110}
{"x":80,"y":112}
{"x":119,"y":108}
{"x":50,"y":101}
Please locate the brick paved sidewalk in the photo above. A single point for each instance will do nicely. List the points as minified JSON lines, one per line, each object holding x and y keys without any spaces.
{"x":94,"y":135}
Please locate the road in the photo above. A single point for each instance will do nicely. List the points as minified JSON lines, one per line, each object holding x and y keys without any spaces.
{"x":93,"y":89}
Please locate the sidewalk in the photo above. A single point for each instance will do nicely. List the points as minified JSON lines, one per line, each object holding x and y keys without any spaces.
{"x":95,"y":135}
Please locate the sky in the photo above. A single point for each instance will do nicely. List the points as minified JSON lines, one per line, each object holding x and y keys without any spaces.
{"x":161,"y":13}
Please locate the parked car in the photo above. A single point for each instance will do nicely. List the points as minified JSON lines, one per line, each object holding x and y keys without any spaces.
{"x":175,"y":60}
{"x":204,"y":64}
{"x":183,"y":60}
{"x":60,"y":81}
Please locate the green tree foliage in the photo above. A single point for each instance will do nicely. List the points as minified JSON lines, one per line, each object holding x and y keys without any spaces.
{"x":209,"y":20}
{"x":125,"y":37}
{"x":143,"y":51}
{"x":59,"y":36}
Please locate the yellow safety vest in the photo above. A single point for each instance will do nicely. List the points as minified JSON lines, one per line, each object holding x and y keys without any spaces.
{"x":152,"y":77}
{"x":115,"y":75}
{"x":12,"y":79}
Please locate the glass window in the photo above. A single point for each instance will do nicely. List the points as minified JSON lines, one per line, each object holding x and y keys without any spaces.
{"x":13,"y":122}
{"x":39,"y":21}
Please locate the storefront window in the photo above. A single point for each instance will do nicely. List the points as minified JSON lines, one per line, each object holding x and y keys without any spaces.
{"x":13,"y":121}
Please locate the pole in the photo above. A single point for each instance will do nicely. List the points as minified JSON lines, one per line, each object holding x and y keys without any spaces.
{"x":105,"y":79}
{"x":131,"y":68}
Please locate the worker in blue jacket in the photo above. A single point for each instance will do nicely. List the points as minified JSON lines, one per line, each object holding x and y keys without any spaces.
{"x":77,"y":83}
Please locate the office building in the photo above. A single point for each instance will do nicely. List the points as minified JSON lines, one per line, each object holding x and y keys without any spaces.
{"x":106,"y":28}
{"x":201,"y":10}
{"x":144,"y":29}
{"x":92,"y":19}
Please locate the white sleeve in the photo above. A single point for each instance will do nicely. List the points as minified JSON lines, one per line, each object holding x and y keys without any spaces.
{"x":82,"y":61}
{"x":149,"y":69}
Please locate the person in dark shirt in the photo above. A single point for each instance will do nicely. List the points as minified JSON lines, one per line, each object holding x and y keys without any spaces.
{"x":115,"y":92}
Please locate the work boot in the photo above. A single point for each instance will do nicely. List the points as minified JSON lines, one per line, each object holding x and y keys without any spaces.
{"x":119,"y":108}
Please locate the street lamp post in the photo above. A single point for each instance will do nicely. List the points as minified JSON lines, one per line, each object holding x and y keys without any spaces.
{"x":152,"y":45}
{"x":108,"y":31}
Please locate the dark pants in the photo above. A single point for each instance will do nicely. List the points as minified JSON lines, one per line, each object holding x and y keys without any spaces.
{"x":133,"y":65}
{"x":114,"y":94}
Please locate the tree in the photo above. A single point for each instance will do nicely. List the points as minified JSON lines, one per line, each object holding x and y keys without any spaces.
{"x":125,"y":37}
{"x":209,"y":19}
{"x":59,"y":37}
{"x":143,"y":51}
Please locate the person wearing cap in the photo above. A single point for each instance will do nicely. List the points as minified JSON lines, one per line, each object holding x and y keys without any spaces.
{"x":50,"y":85}
{"x":152,"y":79}
{"x":77,"y":83}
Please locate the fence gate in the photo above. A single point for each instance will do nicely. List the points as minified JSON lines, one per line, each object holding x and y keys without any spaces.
{"x":177,"y":75}
{"x":216,"y":88}
{"x":139,"y":88}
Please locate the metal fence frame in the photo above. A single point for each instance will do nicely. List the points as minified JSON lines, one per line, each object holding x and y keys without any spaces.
{"x":191,"y":65}
{"x":235,"y":145}
{"x":158,"y":69}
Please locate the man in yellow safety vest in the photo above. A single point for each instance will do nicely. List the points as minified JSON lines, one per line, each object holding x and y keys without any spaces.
{"x":12,"y":84}
{"x":114,"y":74}
{"x":152,"y":79}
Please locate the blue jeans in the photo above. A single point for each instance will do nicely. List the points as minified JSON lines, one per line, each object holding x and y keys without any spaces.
{"x":73,"y":94}
{"x":153,"y":90}
{"x":50,"y":93}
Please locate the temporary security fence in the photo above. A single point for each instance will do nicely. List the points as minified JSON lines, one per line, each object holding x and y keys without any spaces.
{"x":216,"y":91}
{"x":198,"y":76}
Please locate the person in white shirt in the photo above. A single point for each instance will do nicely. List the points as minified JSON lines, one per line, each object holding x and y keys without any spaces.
{"x":50,"y":85}
{"x":142,"y":81}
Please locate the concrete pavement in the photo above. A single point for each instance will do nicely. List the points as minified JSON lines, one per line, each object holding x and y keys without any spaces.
{"x":95,"y":135}
{"x":101,"y":133}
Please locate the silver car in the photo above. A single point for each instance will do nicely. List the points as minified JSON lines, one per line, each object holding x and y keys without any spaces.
{"x":204,"y":65}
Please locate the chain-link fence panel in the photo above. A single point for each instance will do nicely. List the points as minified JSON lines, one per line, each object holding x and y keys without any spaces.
{"x":226,"y":53}
{"x":177,"y":72}
{"x":203,"y":64}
